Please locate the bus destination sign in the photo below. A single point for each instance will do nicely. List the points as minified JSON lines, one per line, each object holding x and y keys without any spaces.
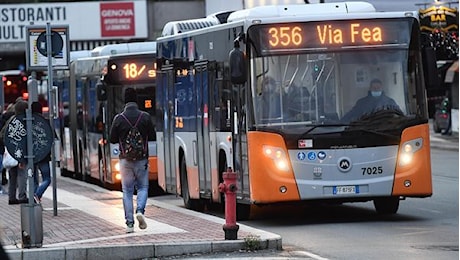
{"x":330,"y":34}
{"x":131,"y":70}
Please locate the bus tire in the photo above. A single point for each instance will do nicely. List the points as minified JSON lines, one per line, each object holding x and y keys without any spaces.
{"x":243,"y":211}
{"x":222,"y":168}
{"x":387,"y":205}
{"x":189,"y":203}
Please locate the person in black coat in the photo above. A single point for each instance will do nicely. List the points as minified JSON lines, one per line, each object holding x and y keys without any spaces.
{"x":134,"y":171}
{"x":17,"y":177}
{"x":374,"y":101}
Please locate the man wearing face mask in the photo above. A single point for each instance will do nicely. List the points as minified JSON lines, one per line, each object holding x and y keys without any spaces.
{"x":374,"y":101}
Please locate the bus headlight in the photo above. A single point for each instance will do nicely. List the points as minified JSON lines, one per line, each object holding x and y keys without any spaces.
{"x":278,"y":156}
{"x":407,"y":151}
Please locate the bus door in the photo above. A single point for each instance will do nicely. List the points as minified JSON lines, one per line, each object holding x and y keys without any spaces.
{"x":203,"y":153}
{"x":240,"y":138}
{"x":84,"y":138}
{"x":169,"y":100}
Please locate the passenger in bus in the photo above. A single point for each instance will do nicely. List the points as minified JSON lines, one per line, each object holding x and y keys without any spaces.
{"x":375,"y":100}
{"x":99,"y":120}
{"x":270,"y":101}
{"x":297,"y":104}
{"x":43,"y":166}
{"x":134,"y":172}
{"x":79,"y":115}
{"x":17,"y":177}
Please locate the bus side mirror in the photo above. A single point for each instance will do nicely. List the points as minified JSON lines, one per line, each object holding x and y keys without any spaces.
{"x":101,"y":89}
{"x":237,"y":64}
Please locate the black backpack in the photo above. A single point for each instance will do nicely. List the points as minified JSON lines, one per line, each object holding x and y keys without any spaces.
{"x":134,"y":147}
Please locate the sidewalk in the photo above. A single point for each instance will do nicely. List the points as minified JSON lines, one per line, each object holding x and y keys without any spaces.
{"x":90,"y":225}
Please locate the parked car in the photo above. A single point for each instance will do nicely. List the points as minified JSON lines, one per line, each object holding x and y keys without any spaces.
{"x":441,"y":121}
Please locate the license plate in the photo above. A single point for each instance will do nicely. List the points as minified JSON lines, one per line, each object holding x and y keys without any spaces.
{"x":352,"y":189}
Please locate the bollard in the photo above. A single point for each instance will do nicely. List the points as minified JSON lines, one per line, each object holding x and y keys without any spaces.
{"x":229,"y":188}
{"x":31,"y":225}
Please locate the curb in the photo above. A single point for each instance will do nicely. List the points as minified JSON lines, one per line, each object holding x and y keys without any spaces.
{"x":139,"y":251}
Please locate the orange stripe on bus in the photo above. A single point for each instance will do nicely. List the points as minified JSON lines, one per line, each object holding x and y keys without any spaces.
{"x":264,"y":178}
{"x":193,"y":182}
{"x":153,"y":168}
{"x":419,"y":171}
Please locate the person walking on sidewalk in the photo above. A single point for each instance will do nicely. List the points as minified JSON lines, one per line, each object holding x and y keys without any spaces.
{"x":17,"y":177}
{"x":43,"y":165}
{"x":134,"y":167}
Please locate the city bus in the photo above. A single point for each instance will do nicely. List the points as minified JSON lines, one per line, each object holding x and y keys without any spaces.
{"x":93,"y":96}
{"x":211,"y":114}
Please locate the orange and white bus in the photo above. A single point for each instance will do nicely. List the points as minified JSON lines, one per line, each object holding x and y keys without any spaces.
{"x":211,"y":114}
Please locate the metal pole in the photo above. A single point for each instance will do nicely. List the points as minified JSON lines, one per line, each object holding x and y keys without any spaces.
{"x":30,"y":174}
{"x":51,"y":111}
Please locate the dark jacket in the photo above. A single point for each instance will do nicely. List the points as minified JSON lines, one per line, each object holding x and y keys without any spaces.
{"x":369,"y":105}
{"x":6,"y":118}
{"x":120,"y":127}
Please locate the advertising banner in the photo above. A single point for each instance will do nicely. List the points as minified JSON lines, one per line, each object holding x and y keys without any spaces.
{"x":87,"y":20}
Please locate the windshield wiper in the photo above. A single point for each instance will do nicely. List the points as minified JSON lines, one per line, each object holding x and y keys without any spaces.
{"x":371,"y":132}
{"x":321,"y":126}
{"x":381,"y":114}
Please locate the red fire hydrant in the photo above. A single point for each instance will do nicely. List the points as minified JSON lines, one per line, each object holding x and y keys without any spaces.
{"x":229,"y":187}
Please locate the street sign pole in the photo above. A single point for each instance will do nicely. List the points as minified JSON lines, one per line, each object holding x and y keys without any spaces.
{"x":51,"y":106}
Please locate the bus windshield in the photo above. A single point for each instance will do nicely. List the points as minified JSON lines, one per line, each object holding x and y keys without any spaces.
{"x":331,"y":87}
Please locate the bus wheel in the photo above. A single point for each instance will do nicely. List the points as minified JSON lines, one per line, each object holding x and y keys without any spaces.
{"x":243,"y":211}
{"x":189,"y":203}
{"x":386,"y":206}
{"x":222,"y":168}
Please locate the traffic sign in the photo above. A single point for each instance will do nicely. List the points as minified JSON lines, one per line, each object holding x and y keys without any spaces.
{"x":15,"y":138}
{"x":36,"y":47}
{"x":56,"y":44}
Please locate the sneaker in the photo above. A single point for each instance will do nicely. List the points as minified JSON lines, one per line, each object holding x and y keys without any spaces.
{"x":130,"y":228}
{"x":140,"y":217}
{"x":37,"y":199}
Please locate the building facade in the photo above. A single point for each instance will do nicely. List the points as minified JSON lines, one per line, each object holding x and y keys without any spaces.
{"x":91,"y":24}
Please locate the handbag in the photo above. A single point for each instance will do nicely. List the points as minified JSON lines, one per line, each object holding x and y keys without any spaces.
{"x":8,"y":160}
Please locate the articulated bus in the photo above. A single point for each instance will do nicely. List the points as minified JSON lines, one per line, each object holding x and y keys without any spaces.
{"x":93,"y":97}
{"x":214,"y":113}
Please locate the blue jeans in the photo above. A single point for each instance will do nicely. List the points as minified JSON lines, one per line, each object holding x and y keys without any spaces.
{"x":44,"y":168}
{"x":134,"y":175}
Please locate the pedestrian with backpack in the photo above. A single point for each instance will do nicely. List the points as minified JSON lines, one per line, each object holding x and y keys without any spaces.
{"x":131,"y":129}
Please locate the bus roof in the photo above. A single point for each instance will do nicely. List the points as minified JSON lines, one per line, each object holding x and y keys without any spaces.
{"x":79,"y":54}
{"x":176,"y":27}
{"x":272,"y":11}
{"x":132,"y":47}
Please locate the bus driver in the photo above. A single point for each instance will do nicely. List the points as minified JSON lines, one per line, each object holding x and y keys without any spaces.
{"x":374,"y":101}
